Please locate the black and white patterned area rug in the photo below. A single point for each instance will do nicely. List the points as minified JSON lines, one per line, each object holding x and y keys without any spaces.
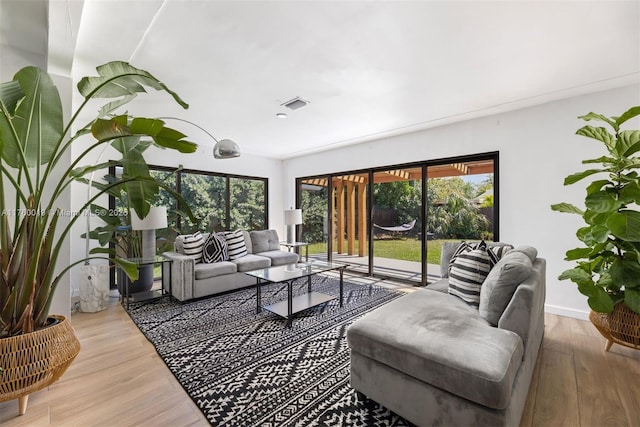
{"x":246,"y":369}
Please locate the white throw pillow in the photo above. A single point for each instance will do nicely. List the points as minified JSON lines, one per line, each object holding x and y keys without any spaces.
{"x":235,"y":244}
{"x":469,"y":268}
{"x":192,"y":245}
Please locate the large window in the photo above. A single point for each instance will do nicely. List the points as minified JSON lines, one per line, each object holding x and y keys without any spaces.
{"x":392,"y":221}
{"x":218,"y":202}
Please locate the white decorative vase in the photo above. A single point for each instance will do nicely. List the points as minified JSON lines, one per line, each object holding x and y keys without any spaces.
{"x":94,"y":288}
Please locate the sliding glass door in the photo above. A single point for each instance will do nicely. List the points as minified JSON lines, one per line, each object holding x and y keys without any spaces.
{"x":314,"y":202}
{"x":392,"y":221}
{"x":460,"y":206}
{"x":349,"y":214}
{"x":397,"y":223}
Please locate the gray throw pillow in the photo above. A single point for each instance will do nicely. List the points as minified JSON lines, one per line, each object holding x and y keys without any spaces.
{"x":501,"y":283}
{"x":448,"y":249}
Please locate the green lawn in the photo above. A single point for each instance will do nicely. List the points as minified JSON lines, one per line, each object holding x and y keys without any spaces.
{"x":404,"y":249}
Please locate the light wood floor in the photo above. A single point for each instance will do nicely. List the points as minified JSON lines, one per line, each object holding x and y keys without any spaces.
{"x":119,"y":380}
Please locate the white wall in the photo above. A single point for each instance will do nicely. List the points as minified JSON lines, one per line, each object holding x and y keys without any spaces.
{"x":538,"y":148}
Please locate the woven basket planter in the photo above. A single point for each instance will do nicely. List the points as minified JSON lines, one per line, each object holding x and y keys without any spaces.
{"x":35,"y":360}
{"x":621,"y":326}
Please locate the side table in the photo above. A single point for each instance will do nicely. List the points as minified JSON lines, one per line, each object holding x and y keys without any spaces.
{"x":294,"y":245}
{"x":153,"y":294}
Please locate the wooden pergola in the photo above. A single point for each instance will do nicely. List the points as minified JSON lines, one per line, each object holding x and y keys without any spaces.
{"x":350,"y":193}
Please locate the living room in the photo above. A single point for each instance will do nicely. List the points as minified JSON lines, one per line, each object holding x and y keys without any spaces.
{"x":553,"y":62}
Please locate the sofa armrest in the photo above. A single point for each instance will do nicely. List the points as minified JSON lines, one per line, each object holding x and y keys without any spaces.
{"x":182,"y":275}
{"x":525,"y":312}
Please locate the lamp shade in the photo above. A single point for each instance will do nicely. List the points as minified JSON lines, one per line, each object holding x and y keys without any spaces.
{"x":156,"y":218}
{"x":226,"y":149}
{"x":293,"y":216}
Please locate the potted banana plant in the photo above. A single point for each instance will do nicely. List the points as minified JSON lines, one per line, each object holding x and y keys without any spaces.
{"x":607,"y":269}
{"x":34,"y":178}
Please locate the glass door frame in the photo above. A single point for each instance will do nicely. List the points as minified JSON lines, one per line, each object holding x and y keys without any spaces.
{"x":424,"y":165}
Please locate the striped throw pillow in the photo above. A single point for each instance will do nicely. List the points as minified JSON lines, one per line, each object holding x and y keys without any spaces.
{"x":235,"y":244}
{"x":192,"y":245}
{"x":215,"y":249}
{"x":467,"y":272}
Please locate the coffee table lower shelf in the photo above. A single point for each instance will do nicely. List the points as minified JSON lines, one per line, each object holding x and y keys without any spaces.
{"x":299,"y":303}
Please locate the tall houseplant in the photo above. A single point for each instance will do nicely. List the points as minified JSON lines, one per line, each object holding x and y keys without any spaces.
{"x":607,"y":267}
{"x":33,"y":178}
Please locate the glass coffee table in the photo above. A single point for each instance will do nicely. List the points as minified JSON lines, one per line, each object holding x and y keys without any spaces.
{"x":289,"y":274}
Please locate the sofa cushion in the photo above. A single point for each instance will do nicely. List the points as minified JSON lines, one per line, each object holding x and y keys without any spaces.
{"x":501,"y":283}
{"x":215,"y":248}
{"x":468,"y":270}
{"x":438,"y":339}
{"x":206,"y":271}
{"x":247,"y":241}
{"x":279,"y":257}
{"x":441,"y":285}
{"x":264,"y":240}
{"x":235,"y":244}
{"x":191,"y":245}
{"x":251,"y":262}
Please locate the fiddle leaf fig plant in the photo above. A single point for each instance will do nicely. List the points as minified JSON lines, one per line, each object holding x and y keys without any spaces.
{"x":35,"y":177}
{"x":607,"y":267}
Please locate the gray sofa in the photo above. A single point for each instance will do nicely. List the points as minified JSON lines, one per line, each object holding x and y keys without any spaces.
{"x":195,"y":280}
{"x":435,"y":360}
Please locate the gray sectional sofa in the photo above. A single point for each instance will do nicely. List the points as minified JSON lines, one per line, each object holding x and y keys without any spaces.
{"x":190,"y":279}
{"x":435,"y":360}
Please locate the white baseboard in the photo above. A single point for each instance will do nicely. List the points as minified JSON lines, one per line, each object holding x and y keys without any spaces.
{"x":567,"y":312}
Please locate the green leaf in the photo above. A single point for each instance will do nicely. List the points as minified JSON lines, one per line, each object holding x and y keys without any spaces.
{"x":600,"y":233}
{"x":107,"y":251}
{"x":566,"y":208}
{"x":10,"y":94}
{"x":632,"y":299}
{"x":625,"y":273}
{"x":572,"y":179}
{"x":625,"y":225}
{"x":599,"y":133}
{"x":600,"y":117}
{"x":630,"y":193}
{"x":113,"y":105}
{"x":119,"y":78}
{"x":37,"y":121}
{"x":594,"y":218}
{"x":170,"y":138}
{"x":629,"y":114}
{"x":577,"y":253}
{"x":576,"y":275}
{"x":598,"y":298}
{"x":602,"y":202}
{"x":130,"y":268}
{"x":603,"y":159}
{"x":628,"y":142}
{"x":84,"y":170}
{"x":597,"y":185}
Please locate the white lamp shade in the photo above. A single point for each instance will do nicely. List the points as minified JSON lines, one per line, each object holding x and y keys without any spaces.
{"x":293,"y":216}
{"x":156,"y":218}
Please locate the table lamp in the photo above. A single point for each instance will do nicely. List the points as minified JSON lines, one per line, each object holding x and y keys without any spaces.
{"x":156,"y":218}
{"x":292,"y":217}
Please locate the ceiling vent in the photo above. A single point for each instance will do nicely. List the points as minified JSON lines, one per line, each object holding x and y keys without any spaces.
{"x":295,"y":103}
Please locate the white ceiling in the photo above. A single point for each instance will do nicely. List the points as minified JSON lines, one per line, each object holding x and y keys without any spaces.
{"x":368,"y":68}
